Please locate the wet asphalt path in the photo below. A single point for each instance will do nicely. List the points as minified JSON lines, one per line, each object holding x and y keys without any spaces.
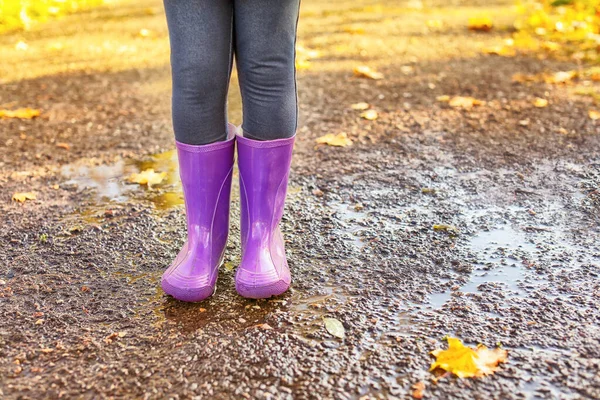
{"x":515,"y":263}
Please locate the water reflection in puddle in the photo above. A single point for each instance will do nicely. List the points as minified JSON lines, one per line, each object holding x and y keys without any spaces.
{"x":109,"y":182}
{"x":500,"y":253}
{"x":353,"y":221}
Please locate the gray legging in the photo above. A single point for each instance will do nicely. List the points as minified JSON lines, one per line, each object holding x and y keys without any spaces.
{"x":204,"y":36}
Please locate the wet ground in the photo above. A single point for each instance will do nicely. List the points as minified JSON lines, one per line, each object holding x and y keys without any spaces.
{"x":435,"y":222}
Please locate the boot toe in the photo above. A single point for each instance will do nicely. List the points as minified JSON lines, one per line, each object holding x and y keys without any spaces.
{"x":260,"y":285}
{"x":188,"y":289}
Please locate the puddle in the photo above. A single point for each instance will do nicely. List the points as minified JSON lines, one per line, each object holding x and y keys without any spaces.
{"x":499,"y":253}
{"x":353,"y":221}
{"x":109,"y":182}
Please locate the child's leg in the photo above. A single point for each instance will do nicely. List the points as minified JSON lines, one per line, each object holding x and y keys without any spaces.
{"x":201,"y":37}
{"x":265,"y":37}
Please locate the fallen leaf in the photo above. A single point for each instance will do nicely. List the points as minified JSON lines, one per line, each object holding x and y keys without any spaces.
{"x":466,"y":362}
{"x":145,"y":33}
{"x":334,"y":327}
{"x":360,"y":106}
{"x":110,"y":338}
{"x":540,"y":103}
{"x":341,"y":139}
{"x":418,"y":389}
{"x":148,"y":177}
{"x":21,"y":197}
{"x":21,"y":113}
{"x":502,"y":51}
{"x":370,"y":115}
{"x":560,"y":77}
{"x":366,"y":72}
{"x":264,"y":327}
{"x":434,"y":23}
{"x":594,"y":114}
{"x":356,"y":30}
{"x":229,"y":266}
{"x":302,"y":64}
{"x":65,"y":146}
{"x":465,"y":102}
{"x":524,"y":122}
{"x":445,"y":228}
{"x":443,"y":98}
{"x":482,"y":24}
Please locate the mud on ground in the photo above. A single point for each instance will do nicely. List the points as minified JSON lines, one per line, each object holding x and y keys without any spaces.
{"x":81,"y":314}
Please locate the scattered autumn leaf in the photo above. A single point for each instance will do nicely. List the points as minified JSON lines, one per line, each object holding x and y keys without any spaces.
{"x":21,"y":197}
{"x":443,"y":98}
{"x":560,"y":77}
{"x":364,"y":71}
{"x":264,"y":327}
{"x":21,"y":113}
{"x":302,"y":63}
{"x":502,"y":51}
{"x":594,"y":114}
{"x":113,"y":336}
{"x":146,"y":33}
{"x":356,"y":30}
{"x":540,"y":103}
{"x":334,"y":327}
{"x":418,"y":389}
{"x":465,"y":102}
{"x":466,"y":362}
{"x":434,"y":23}
{"x":341,"y":139}
{"x":445,"y":228}
{"x":360,"y":106}
{"x":147,"y":177}
{"x":65,"y":146}
{"x":370,"y":115}
{"x":482,"y":24}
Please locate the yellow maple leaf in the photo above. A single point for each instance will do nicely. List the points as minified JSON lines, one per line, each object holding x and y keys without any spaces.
{"x":21,"y":113}
{"x":371,"y":115}
{"x":466,"y":362}
{"x":465,"y":102}
{"x":340,"y":140}
{"x":364,"y":71}
{"x":540,"y":103}
{"x":148,"y":177}
{"x":483,"y":24}
{"x":21,"y":197}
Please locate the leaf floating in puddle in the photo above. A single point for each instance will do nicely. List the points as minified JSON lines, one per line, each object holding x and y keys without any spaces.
{"x":340,"y":140}
{"x":334,"y":327}
{"x":446,"y":228}
{"x":466,"y":362}
{"x":148,"y":177}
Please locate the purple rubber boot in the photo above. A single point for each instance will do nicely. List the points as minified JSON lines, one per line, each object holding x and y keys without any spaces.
{"x":205,"y":173}
{"x":264,"y":168}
